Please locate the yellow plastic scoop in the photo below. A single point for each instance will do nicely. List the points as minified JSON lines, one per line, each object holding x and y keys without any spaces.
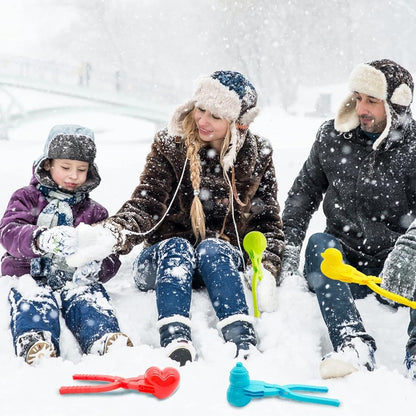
{"x":333,"y":267}
{"x":254,"y":244}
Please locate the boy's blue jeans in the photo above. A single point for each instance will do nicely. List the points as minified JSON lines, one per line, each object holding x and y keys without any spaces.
{"x":336,"y":299}
{"x":86,"y":310}
{"x":173,"y":267}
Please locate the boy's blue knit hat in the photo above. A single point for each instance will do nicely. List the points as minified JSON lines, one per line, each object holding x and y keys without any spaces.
{"x":228,"y":95}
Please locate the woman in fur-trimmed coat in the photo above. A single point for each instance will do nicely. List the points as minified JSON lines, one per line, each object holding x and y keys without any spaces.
{"x":255,"y":206}
{"x":208,"y":181}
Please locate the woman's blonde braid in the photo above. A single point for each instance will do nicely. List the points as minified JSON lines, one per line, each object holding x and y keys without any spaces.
{"x":193,"y":145}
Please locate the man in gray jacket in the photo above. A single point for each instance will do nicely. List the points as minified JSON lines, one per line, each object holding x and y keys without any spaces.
{"x":363,"y":166}
{"x":399,"y":276}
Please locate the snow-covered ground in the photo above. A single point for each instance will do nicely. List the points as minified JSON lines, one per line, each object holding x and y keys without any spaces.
{"x":292,"y":339}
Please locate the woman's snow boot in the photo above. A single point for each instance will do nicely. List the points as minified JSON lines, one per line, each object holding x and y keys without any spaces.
{"x":175,"y":337}
{"x":237,"y":329}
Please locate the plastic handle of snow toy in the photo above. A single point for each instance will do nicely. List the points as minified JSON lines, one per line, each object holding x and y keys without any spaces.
{"x":333,"y":267}
{"x":159,"y":383}
{"x":254,"y":244}
{"x":290,"y":391}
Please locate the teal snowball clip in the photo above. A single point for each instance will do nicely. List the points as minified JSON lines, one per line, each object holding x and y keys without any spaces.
{"x":242,"y":390}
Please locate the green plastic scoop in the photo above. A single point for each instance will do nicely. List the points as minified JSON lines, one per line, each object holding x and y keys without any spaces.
{"x":254,"y":244}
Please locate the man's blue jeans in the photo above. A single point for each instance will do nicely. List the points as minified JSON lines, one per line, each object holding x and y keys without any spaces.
{"x":336,"y":299}
{"x":173,"y":267}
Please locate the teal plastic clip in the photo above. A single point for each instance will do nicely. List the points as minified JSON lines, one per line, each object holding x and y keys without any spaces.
{"x":242,"y":390}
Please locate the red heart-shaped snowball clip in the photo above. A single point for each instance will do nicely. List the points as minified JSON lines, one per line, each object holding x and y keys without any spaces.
{"x":163,"y":382}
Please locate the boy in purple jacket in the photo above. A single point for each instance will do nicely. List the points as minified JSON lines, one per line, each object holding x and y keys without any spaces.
{"x":37,"y":232}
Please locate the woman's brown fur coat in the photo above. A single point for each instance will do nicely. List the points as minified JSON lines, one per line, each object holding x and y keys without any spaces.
{"x":255,"y":183}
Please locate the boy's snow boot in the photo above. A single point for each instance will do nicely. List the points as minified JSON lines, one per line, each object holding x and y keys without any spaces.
{"x":35,"y":346}
{"x":116,"y":339}
{"x":110,"y":341}
{"x":353,"y":355}
{"x":240,"y":331}
{"x":175,"y":337}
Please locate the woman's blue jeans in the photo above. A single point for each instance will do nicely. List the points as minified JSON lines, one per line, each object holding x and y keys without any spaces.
{"x":173,"y":267}
{"x":336,"y":299}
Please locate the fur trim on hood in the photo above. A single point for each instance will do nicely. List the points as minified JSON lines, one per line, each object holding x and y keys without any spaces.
{"x":228,"y":95}
{"x":386,"y":81}
{"x":73,"y":142}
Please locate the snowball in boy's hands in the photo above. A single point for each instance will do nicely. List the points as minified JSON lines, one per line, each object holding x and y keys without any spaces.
{"x":266,"y":290}
{"x":94,"y":243}
{"x":87,"y":273}
{"x":60,"y":240}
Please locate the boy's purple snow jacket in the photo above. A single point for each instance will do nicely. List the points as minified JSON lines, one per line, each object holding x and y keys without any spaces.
{"x":19,"y":229}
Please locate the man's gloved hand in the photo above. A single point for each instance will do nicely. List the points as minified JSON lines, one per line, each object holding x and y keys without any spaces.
{"x":94,"y":243}
{"x":290,"y":261}
{"x":87,"y":273}
{"x":60,"y":240}
{"x":399,"y":270}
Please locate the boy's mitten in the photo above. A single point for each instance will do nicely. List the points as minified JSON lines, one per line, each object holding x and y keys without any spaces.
{"x":290,"y":261}
{"x":87,"y":273}
{"x":60,"y":240}
{"x":94,"y":243}
{"x":399,"y":271}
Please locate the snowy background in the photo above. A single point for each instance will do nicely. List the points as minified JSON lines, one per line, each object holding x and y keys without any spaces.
{"x":292,"y":339}
{"x":303,"y":48}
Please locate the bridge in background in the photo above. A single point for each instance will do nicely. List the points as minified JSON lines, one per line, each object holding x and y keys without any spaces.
{"x":115,"y":92}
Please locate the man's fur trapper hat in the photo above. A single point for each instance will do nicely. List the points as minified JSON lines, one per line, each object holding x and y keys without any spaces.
{"x":228,"y":95}
{"x":384,"y":80}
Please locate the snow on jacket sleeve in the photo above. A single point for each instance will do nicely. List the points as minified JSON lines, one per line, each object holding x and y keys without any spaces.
{"x":265,"y":217}
{"x":18,"y":228}
{"x":149,"y":200}
{"x":304,"y":197}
